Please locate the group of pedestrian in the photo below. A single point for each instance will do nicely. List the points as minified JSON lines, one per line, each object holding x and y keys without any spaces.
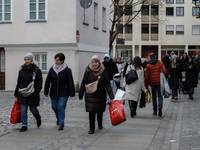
{"x":97,"y":84}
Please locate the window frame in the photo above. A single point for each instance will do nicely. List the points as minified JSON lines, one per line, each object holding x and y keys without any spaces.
{"x":179,"y":32}
{"x":40,"y":63}
{"x":169,"y":32}
{"x":178,"y":2}
{"x":103,"y":19}
{"x":129,"y":27}
{"x":37,"y":11}
{"x":179,"y":11}
{"x":169,"y":8}
{"x":95,"y":15}
{"x":195,"y":11}
{"x":145,"y":13}
{"x":168,"y":2}
{"x":145,"y":27}
{"x":2,"y":5}
{"x":154,"y":13}
{"x":193,"y":32}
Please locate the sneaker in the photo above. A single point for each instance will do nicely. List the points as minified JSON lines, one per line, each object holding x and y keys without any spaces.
{"x":39,"y":122}
{"x":23,"y":128}
{"x":160,"y":112}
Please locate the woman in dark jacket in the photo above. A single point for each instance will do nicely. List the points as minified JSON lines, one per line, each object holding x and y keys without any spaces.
{"x":174,"y":71}
{"x":62,"y":86}
{"x":191,"y":81}
{"x":25,"y":77}
{"x":96,"y":102}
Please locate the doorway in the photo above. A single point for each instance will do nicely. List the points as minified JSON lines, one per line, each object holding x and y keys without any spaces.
{"x":2,"y":68}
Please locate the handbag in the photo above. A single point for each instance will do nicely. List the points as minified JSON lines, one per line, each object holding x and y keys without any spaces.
{"x":148,"y":98}
{"x":92,"y":87}
{"x":142,"y":100}
{"x":131,"y":76}
{"x":117,"y":114}
{"x":15,"y":116}
{"x":29,"y":89}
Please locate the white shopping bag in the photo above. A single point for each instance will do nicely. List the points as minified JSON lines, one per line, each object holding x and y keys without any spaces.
{"x":119,"y":95}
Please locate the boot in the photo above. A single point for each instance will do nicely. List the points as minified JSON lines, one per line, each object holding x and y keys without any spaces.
{"x":134,"y":107}
{"x":91,"y":131}
{"x":100,"y":126}
{"x":160,"y":111}
{"x":190,"y":96}
{"x":39,"y":122}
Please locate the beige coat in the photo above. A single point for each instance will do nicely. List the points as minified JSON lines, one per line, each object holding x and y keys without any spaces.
{"x":133,"y":90}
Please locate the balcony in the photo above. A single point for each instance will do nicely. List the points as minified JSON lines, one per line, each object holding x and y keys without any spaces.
{"x":128,"y":37}
{"x":154,"y":37}
{"x":120,"y":1}
{"x":154,"y":19}
{"x":127,"y":18}
{"x":145,"y":37}
{"x":145,"y":18}
{"x":154,"y":1}
{"x":120,"y":35}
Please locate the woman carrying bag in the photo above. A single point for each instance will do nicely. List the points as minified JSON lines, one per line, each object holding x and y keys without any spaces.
{"x":95,"y":101}
{"x":29,"y":73}
{"x":133,"y":90}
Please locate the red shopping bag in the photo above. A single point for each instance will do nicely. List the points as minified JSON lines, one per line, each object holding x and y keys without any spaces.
{"x":117,"y":114}
{"x":15,"y":116}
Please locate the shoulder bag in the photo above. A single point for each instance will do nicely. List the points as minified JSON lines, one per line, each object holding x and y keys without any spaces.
{"x":131,"y":76}
{"x":30,"y":88}
{"x":92,"y":87}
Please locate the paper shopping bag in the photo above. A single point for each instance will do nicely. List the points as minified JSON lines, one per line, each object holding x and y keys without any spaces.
{"x":15,"y":116}
{"x":117,"y":114}
{"x":120,"y":94}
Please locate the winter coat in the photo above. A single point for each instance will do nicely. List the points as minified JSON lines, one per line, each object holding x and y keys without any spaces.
{"x":62,"y":84}
{"x":153,"y":70}
{"x":96,"y":102}
{"x":111,"y":68}
{"x":175,"y":74}
{"x":191,"y":79}
{"x":25,"y":77}
{"x":166,"y":61}
{"x":182,"y":63}
{"x":120,"y":68}
{"x":125,"y":68}
{"x":133,"y":90}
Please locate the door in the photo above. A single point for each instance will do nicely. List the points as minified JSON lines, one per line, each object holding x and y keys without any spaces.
{"x":2,"y":68}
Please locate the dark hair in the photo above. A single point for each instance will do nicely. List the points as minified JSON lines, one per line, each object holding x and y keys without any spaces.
{"x":185,"y":53}
{"x":152,"y":55}
{"x":117,"y":58}
{"x":61,"y":56}
{"x":137,"y":62}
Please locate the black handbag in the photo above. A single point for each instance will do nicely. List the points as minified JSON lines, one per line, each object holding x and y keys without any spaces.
{"x":142,"y":100}
{"x":131,"y":76}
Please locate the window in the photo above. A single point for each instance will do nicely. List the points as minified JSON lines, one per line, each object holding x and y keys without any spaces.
{"x":37,"y":10}
{"x":96,"y":15}
{"x":104,"y":19}
{"x":195,"y":11}
{"x":145,"y":10}
{"x":5,"y":10}
{"x":154,"y":10}
{"x":145,"y":29}
{"x":169,"y":29}
{"x":128,"y":10}
{"x":169,"y":11}
{"x":120,"y":30}
{"x":196,"y":29}
{"x":169,"y":1}
{"x":179,"y":11}
{"x":154,"y":29}
{"x":41,"y":59}
{"x":179,"y":29}
{"x":128,"y":29}
{"x":179,"y":1}
{"x":198,"y":1}
{"x":121,"y":11}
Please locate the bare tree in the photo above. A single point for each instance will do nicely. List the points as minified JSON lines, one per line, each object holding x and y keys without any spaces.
{"x":117,"y":10}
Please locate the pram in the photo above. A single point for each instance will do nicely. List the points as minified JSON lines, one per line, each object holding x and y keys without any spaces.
{"x":182,"y":87}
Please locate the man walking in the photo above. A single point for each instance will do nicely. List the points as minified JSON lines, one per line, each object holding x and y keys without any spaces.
{"x":152,"y":78}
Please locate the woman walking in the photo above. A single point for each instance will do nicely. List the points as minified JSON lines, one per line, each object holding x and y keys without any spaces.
{"x":134,"y":89}
{"x":120,"y":67}
{"x":95,"y":102}
{"x":174,"y":71}
{"x":62,"y":86}
{"x":191,"y":80}
{"x":25,"y":77}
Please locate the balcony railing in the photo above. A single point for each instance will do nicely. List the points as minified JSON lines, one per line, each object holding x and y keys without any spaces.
{"x":145,"y":37}
{"x":145,"y":18}
{"x":154,"y":37}
{"x":128,"y":37}
{"x":154,"y":18}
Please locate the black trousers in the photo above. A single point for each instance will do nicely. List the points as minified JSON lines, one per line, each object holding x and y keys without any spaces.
{"x":132,"y":105}
{"x":92,"y":119}
{"x":174,"y":92}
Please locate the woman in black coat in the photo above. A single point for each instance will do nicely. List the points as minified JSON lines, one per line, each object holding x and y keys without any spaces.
{"x":174,"y":71}
{"x":96,"y":102}
{"x":25,"y":77}
{"x":62,"y":86}
{"x":191,"y":80}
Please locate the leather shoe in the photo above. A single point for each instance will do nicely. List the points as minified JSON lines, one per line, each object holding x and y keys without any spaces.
{"x":100,"y":127}
{"x":23,"y":128}
{"x":91,"y":131}
{"x":61,"y":128}
{"x":39,"y":122}
{"x":160,"y":112}
{"x":155,"y":113}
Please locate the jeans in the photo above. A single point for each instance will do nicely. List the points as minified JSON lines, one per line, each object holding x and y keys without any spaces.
{"x":24,"y":117}
{"x":92,"y":119}
{"x":108,"y":98}
{"x":59,"y":105}
{"x":156,"y":91}
{"x":191,"y":90}
{"x":199,"y":74}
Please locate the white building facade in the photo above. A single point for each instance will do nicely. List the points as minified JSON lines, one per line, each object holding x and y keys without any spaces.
{"x":163,"y":27}
{"x":48,"y":27}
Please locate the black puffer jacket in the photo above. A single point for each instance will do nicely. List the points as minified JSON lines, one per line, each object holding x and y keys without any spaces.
{"x":62,"y":84}
{"x":24,"y":78}
{"x":175,"y":74}
{"x":95,"y":102}
{"x":111,"y":68}
{"x":191,"y":80}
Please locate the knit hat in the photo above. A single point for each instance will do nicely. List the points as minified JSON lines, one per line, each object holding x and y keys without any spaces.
{"x":107,"y":55}
{"x":197,"y":56}
{"x":29,"y":55}
{"x":96,"y":57}
{"x":174,"y":56}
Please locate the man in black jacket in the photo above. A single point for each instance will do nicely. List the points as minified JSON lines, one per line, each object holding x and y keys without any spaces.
{"x":183,"y":61}
{"x":111,"y":69}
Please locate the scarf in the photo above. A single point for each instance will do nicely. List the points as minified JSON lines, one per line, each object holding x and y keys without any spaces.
{"x":97,"y":71}
{"x":59,"y":68}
